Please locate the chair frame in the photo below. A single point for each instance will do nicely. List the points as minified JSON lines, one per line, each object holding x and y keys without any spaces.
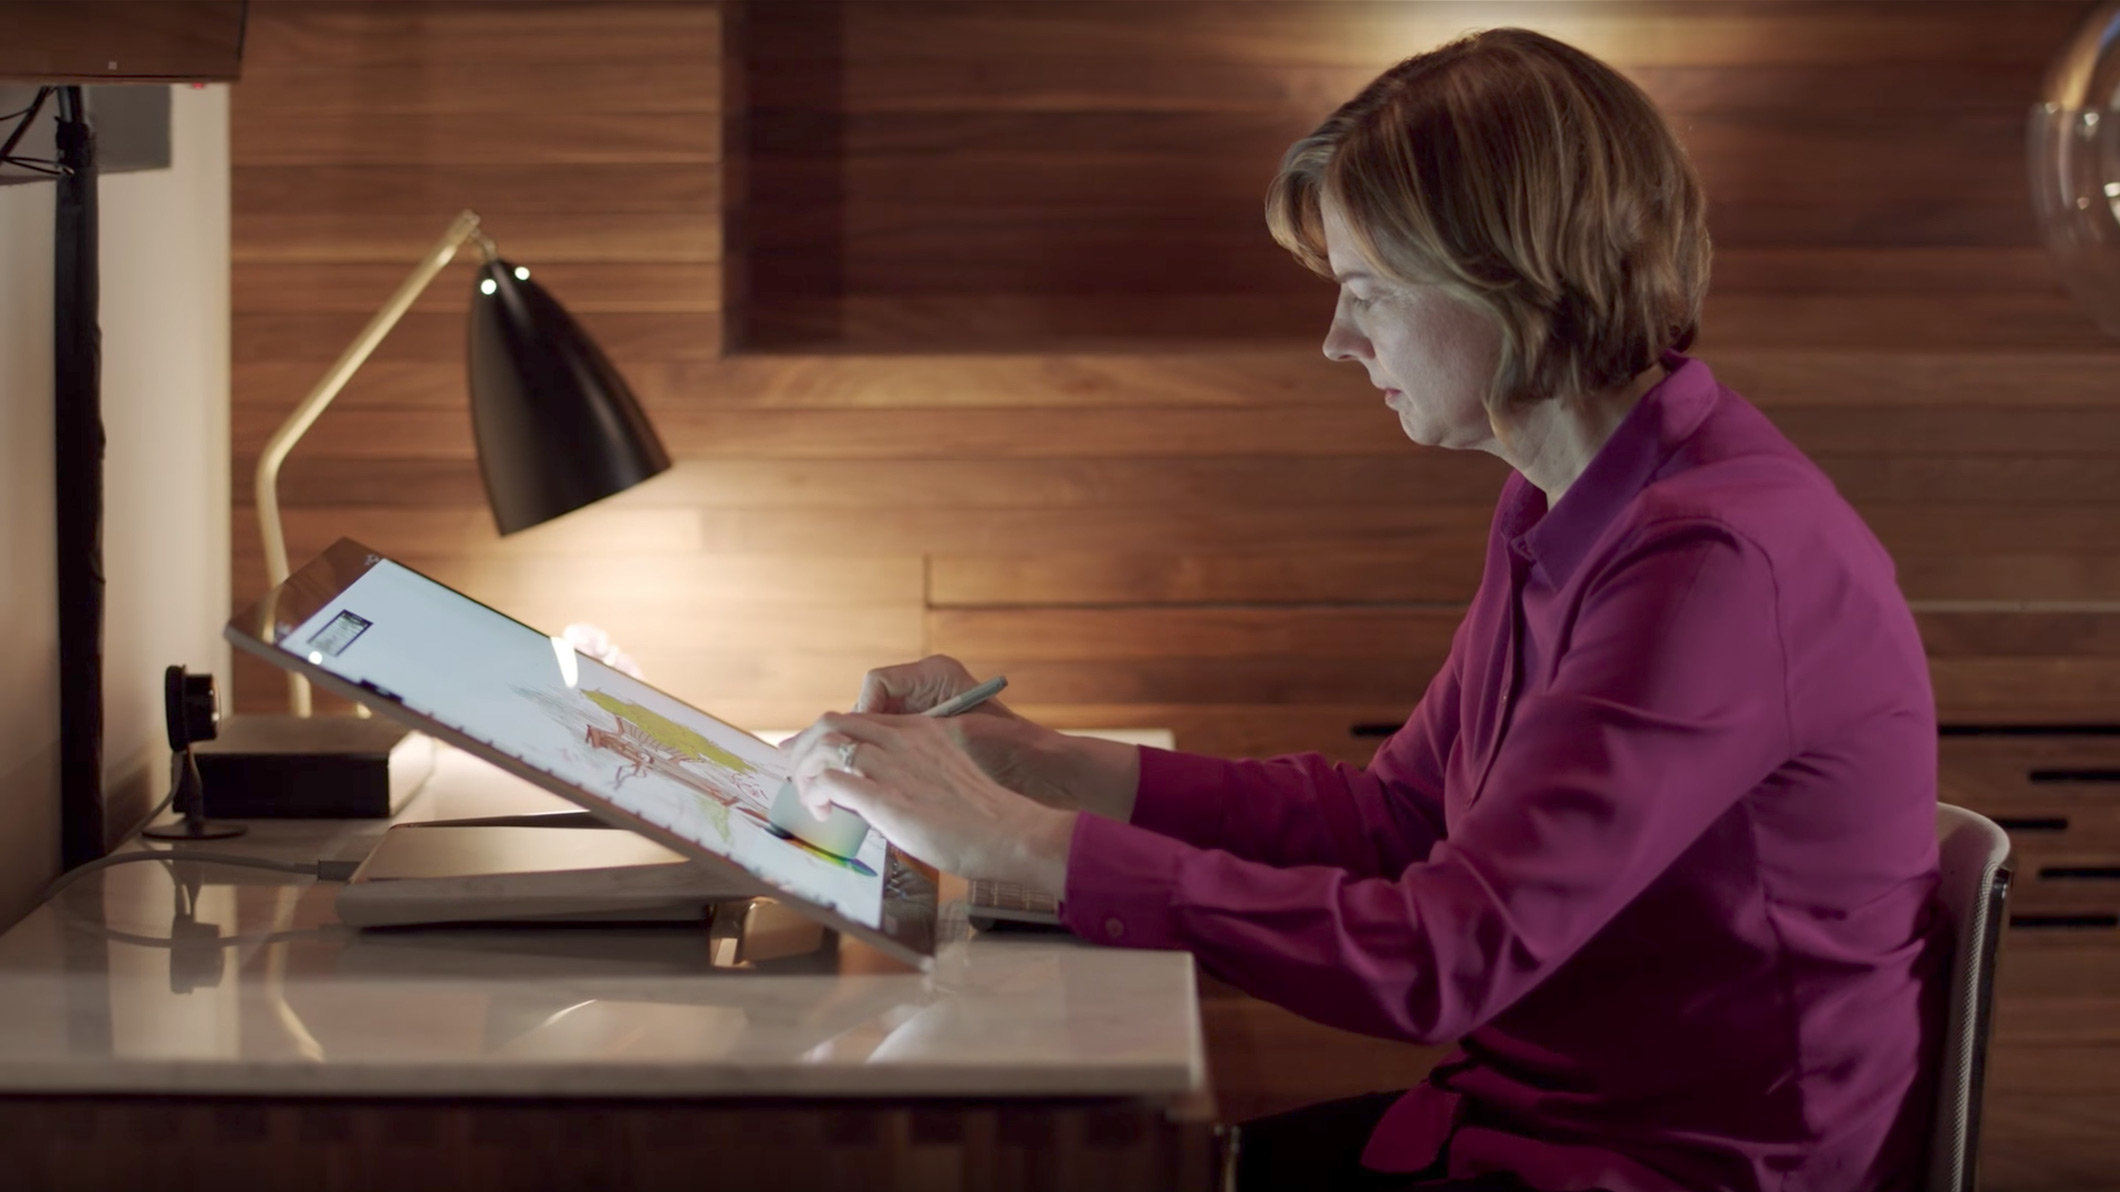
{"x":1959,"y":1170}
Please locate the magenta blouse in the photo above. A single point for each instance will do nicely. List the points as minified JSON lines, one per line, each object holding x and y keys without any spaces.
{"x":1657,"y":848}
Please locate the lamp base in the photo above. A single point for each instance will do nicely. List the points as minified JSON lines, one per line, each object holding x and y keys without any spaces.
{"x":323,"y":767}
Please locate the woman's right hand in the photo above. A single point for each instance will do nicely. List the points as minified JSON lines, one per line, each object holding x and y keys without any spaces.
{"x":914,"y":687}
{"x":1071,"y":773}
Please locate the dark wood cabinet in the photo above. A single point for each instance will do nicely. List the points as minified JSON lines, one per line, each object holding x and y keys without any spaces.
{"x":2056,"y":791}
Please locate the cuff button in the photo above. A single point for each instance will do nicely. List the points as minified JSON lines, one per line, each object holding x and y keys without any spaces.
{"x":1114,"y":928}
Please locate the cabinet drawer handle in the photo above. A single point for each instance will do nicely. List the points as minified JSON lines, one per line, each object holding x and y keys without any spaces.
{"x":2032,"y":823}
{"x":2065,"y":920}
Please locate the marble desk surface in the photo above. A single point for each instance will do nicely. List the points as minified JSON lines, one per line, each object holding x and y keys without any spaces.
{"x":254,"y":987}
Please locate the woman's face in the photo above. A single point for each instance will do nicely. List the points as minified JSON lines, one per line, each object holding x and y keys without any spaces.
{"x":1432,"y":355}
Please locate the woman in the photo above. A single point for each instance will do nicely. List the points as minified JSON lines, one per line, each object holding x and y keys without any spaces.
{"x":1657,"y":846}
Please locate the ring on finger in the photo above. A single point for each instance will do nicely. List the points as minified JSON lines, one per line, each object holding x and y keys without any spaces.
{"x":845,"y":757}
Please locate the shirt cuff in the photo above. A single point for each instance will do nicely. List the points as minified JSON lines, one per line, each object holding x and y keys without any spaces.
{"x":1121,"y":881}
{"x":1182,"y":795}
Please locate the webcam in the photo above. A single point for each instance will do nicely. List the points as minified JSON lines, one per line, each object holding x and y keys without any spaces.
{"x":189,"y":707}
{"x":191,"y":713}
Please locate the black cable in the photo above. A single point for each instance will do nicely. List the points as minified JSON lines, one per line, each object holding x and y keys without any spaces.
{"x":29,"y":116}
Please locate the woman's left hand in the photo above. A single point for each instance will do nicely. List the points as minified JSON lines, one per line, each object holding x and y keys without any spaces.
{"x":911,"y":779}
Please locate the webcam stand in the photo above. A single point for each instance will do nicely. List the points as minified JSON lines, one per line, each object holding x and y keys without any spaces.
{"x":188,"y":797}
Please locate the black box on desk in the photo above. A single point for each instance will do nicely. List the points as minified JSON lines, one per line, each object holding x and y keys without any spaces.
{"x":322,"y":767}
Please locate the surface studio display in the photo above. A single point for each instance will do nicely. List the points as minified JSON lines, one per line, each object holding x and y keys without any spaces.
{"x":379,"y":632}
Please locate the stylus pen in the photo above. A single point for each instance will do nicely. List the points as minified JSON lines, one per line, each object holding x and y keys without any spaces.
{"x":965,"y":701}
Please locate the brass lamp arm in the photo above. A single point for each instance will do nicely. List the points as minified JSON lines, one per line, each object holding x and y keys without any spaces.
{"x":298,"y":423}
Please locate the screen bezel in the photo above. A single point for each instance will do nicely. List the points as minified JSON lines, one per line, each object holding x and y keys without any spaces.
{"x":261,"y":628}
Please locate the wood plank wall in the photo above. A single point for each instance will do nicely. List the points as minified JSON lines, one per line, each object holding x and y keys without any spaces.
{"x":1019,"y":376}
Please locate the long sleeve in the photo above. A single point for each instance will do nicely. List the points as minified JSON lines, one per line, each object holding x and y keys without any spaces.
{"x":1306,"y":810}
{"x":1666,"y":705}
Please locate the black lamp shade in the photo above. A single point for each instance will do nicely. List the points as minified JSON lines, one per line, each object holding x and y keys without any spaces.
{"x":557,"y":427}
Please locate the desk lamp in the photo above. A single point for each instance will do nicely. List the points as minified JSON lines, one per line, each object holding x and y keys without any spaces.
{"x":556,"y":429}
{"x":556,"y":426}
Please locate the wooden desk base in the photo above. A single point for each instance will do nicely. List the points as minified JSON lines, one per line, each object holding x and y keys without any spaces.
{"x":92,"y":1144}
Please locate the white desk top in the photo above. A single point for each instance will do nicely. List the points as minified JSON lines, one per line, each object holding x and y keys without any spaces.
{"x":262,"y":991}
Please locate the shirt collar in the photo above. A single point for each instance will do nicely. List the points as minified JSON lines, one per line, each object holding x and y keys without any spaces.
{"x":1555,"y":541}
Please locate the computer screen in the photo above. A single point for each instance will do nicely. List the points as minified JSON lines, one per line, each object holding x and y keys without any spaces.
{"x":409,"y":644}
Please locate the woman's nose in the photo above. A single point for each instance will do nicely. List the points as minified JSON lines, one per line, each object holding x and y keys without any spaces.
{"x":1343,"y":343}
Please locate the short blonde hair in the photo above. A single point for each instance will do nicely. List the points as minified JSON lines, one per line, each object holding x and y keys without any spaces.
{"x":1526,"y":178}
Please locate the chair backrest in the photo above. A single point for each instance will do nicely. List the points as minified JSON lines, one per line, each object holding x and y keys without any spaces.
{"x":1973,"y":853}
